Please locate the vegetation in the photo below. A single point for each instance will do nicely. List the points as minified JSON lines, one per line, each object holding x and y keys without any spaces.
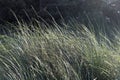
{"x":39,"y":46}
{"x":59,"y":53}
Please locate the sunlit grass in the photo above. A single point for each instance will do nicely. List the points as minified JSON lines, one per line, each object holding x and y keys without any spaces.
{"x":59,"y":53}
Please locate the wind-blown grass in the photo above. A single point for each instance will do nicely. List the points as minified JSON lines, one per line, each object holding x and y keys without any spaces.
{"x":58,"y":54}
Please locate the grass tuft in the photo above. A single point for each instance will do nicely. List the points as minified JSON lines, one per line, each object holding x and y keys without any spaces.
{"x":59,"y":53}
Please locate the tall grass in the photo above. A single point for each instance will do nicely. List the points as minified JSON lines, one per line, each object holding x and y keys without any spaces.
{"x":62,"y":53}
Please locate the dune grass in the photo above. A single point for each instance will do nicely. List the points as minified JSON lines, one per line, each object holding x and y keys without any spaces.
{"x":62,"y":53}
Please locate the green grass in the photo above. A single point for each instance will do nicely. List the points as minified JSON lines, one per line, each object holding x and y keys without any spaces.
{"x":60,"y":53}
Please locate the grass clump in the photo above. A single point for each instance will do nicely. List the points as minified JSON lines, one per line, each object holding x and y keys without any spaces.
{"x":58,"y":54}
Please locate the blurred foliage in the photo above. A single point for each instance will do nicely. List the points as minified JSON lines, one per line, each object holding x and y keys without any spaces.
{"x":85,"y":11}
{"x":23,"y":8}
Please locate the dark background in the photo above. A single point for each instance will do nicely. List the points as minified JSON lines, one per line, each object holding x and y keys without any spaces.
{"x":57,"y":8}
{"x":103,"y":15}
